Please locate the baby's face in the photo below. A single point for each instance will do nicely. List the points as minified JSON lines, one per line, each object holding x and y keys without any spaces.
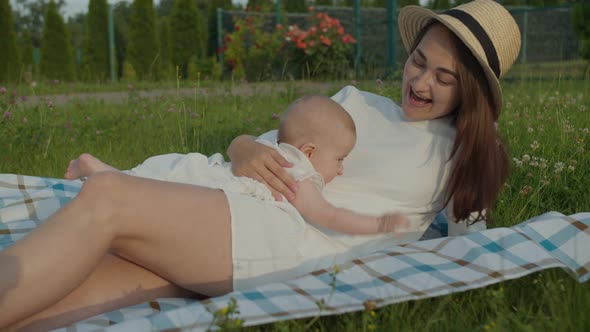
{"x":328,"y":156}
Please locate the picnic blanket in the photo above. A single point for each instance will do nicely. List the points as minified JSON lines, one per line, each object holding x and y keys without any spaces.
{"x":418,"y":270}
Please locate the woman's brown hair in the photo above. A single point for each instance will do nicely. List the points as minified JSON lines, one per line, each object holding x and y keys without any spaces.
{"x":480,"y":162}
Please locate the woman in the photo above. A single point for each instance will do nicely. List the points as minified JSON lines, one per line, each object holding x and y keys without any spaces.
{"x":167,"y":239}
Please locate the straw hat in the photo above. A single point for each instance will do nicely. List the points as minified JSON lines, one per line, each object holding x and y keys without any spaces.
{"x":484,"y":26}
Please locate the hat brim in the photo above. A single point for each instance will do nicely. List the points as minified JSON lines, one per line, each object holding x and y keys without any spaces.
{"x":411,"y":21}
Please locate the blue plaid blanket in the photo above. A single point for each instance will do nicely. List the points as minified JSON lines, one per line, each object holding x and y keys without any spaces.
{"x":419,"y":270}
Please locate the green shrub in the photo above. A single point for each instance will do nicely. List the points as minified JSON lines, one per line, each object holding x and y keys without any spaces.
{"x":56,"y":54}
{"x":9,"y":58}
{"x":143,"y":40}
{"x":95,"y":58}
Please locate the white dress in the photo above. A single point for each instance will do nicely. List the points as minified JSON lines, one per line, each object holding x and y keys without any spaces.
{"x":215,"y":172}
{"x":396,"y":165}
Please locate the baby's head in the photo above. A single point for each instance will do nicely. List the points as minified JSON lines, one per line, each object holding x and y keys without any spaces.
{"x":321,"y":129}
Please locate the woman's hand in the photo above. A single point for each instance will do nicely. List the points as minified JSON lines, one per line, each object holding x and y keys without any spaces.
{"x":262,"y":163}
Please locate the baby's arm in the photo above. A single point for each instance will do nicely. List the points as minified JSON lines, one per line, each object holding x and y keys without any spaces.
{"x":312,"y":205}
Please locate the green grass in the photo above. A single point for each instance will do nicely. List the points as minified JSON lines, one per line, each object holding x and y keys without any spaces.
{"x":548,"y":120}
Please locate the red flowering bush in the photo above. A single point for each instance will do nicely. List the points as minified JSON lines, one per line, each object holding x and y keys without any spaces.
{"x":323,"y":50}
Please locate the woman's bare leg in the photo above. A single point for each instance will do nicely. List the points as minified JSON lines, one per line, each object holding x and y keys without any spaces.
{"x":113,"y":284}
{"x":177,"y":231}
{"x":86,"y":165}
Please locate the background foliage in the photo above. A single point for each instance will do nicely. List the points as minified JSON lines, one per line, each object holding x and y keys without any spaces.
{"x":187,"y":35}
{"x":582,"y":27}
{"x":56,"y":61}
{"x":96,"y":42}
{"x":156,"y":64}
{"x":9,"y":57}
{"x":143,"y":40}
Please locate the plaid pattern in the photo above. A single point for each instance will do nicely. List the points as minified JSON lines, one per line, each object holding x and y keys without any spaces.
{"x":419,"y":270}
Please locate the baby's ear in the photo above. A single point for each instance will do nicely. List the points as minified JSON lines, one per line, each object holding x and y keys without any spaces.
{"x":307,"y":149}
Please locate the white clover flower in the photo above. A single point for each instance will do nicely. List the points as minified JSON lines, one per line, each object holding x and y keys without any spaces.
{"x":535,"y":145}
{"x":526,"y":158}
{"x":571,"y":168}
{"x":558,"y":167}
{"x":543,"y":163}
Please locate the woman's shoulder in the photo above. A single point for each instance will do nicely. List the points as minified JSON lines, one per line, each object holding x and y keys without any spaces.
{"x":355,"y":100}
{"x":366,"y":108}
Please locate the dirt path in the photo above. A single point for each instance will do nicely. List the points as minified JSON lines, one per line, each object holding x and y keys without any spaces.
{"x":244,"y":89}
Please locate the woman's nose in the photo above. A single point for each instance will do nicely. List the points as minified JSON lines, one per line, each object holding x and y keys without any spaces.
{"x":422,"y":81}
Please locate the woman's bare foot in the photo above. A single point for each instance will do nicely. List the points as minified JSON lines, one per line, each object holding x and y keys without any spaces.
{"x":86,"y":165}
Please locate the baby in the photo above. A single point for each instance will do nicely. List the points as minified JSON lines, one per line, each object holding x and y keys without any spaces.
{"x":315,"y":135}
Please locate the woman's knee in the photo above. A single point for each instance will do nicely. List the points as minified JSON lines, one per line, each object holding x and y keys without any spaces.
{"x":99,"y":191}
{"x":101,"y":183}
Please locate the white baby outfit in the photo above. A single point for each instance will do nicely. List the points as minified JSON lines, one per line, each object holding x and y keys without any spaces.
{"x":396,"y":165}
{"x":215,"y":172}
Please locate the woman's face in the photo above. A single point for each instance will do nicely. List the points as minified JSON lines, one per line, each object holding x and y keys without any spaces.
{"x":430,"y":86}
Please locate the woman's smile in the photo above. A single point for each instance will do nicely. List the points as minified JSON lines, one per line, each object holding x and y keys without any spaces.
{"x":417,"y":100}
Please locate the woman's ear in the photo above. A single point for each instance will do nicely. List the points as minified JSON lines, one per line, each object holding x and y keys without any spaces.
{"x":307,"y":149}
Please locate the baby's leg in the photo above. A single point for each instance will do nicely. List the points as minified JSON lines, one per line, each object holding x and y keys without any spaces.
{"x":86,"y":165}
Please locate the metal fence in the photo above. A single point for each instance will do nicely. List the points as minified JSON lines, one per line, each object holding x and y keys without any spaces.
{"x":547,"y":34}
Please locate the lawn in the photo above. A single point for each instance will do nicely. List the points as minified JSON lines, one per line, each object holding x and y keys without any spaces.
{"x":545,"y":123}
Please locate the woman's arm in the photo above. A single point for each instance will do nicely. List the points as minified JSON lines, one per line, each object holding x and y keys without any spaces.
{"x":313,"y":206}
{"x":260,"y":162}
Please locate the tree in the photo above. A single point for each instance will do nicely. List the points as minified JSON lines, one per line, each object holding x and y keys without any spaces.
{"x":186,"y":35}
{"x":56,"y":54}
{"x":581,"y":21}
{"x":9,"y":60}
{"x":295,"y":6}
{"x":95,"y":57}
{"x":212,"y":23}
{"x":143,"y":39}
{"x":30,"y":16}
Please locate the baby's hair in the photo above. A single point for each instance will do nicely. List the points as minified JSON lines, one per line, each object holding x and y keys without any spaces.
{"x":309,"y":117}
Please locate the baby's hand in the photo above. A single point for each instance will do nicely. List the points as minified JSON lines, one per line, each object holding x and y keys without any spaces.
{"x":393,"y":223}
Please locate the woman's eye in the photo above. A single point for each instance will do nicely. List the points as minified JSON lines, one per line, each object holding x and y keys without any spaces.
{"x":445,"y":80}
{"x":418,"y":62}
